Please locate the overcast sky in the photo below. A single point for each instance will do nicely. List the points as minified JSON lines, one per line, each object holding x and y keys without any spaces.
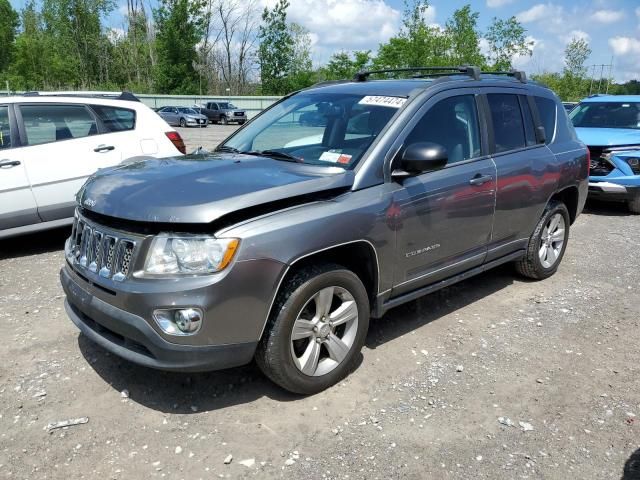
{"x":612,"y":27}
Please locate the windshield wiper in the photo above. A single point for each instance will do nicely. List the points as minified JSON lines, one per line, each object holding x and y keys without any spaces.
{"x":225,"y":148}
{"x":276,"y":154}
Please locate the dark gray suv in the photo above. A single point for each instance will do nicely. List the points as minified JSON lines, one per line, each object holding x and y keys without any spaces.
{"x":282,"y":243}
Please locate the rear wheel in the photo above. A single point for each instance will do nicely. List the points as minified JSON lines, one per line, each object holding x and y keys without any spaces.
{"x":316,"y":329}
{"x":548,"y":243}
{"x":634,"y":205}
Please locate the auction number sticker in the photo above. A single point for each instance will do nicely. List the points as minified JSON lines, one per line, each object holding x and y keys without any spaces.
{"x":383,"y":101}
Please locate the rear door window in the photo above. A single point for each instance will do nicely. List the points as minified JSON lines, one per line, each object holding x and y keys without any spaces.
{"x":547,"y":112}
{"x":116,"y":119}
{"x":54,"y":123}
{"x":508,"y":127}
{"x":5,"y":128}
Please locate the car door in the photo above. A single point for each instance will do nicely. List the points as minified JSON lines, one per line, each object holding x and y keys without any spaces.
{"x":522,"y":169}
{"x":61,"y":148}
{"x":17,"y":203}
{"x":445,"y":215}
{"x":215,"y":111}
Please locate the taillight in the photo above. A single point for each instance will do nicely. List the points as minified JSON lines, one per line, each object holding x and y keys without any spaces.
{"x":177,"y":141}
{"x":588,"y":162}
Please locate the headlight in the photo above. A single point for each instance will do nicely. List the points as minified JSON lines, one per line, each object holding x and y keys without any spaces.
{"x":189,"y":255}
{"x":634,"y":163}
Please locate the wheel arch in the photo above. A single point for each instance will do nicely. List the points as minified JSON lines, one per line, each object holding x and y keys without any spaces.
{"x":359,"y":256}
{"x":570,"y":196}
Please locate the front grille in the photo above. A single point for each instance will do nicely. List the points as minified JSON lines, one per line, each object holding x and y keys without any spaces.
{"x":239,"y":114}
{"x":104,"y":253}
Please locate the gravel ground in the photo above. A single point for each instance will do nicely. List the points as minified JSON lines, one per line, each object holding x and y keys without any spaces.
{"x":207,"y":138}
{"x":495,"y":378}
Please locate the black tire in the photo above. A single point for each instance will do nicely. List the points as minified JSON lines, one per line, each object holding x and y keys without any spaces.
{"x":634,"y":205}
{"x":273,"y":354}
{"x":183,"y":123}
{"x":224,"y":121}
{"x":531,"y":265}
{"x":241,"y":122}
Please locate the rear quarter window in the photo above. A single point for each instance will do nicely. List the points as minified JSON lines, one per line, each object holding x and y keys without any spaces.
{"x":547,"y":112}
{"x":116,"y":119}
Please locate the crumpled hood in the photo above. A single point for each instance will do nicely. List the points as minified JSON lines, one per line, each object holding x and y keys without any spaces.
{"x":602,"y":137}
{"x":202,"y":188}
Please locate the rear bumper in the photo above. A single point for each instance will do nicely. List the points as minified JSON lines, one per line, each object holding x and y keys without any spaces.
{"x":132,"y":337}
{"x":613,"y":191}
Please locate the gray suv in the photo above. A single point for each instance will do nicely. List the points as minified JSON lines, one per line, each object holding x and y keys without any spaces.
{"x":282,"y":243}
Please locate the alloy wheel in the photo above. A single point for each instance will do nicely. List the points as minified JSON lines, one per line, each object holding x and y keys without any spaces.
{"x":324,"y":331}
{"x":552,"y":241}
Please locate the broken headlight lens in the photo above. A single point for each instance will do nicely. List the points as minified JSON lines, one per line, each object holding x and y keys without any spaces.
{"x":190,"y":255}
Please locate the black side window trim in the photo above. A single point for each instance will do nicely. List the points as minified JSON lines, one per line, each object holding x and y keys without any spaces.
{"x":13,"y":128}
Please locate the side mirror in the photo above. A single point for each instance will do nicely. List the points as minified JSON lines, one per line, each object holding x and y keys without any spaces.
{"x":541,"y":135}
{"x":420,"y":157}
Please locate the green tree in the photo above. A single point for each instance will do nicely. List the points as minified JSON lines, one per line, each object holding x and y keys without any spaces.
{"x":8,"y":28}
{"x":344,"y":65}
{"x":464,"y":38}
{"x":79,"y":47}
{"x":418,"y":43}
{"x":179,"y":26}
{"x":301,"y":74}
{"x":276,"y":50}
{"x":506,"y":39}
{"x":574,"y":74}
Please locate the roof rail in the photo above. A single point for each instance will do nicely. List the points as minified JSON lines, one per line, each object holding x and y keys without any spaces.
{"x":469,"y":70}
{"x":85,"y":94}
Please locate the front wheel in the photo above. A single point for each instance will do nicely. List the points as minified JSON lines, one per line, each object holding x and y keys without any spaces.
{"x":316,"y":329}
{"x":634,"y":204}
{"x":183,"y":123}
{"x":548,"y":243}
{"x":224,"y":121}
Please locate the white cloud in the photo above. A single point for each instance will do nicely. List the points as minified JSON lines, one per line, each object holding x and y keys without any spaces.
{"x":541,"y":11}
{"x":577,"y":34}
{"x":625,"y":45}
{"x":498,"y":3}
{"x":607,"y":16}
{"x":346,"y":24}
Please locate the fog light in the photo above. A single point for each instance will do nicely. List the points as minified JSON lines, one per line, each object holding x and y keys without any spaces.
{"x":183,"y":321}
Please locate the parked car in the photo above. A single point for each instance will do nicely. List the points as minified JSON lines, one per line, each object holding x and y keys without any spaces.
{"x":282,"y":254}
{"x":610,"y":126}
{"x":224,"y":113}
{"x":52,"y":141}
{"x":183,"y":117}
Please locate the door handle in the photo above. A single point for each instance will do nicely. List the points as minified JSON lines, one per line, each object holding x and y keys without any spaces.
{"x":104,"y":148}
{"x":480,"y":179}
{"x":9,"y":163}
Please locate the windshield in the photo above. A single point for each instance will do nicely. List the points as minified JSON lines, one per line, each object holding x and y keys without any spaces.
{"x":188,"y":110}
{"x":606,"y":115}
{"x":332,"y":129}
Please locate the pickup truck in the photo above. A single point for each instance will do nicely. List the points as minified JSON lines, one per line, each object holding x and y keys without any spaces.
{"x":223,"y":112}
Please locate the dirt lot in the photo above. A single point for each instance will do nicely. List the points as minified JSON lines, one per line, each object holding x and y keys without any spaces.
{"x":495,"y":378}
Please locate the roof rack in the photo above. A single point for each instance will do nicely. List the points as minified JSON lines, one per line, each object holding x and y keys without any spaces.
{"x":469,"y":70}
{"x":88,"y":94}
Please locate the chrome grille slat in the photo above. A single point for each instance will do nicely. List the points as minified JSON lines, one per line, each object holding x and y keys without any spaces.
{"x":95,"y":248}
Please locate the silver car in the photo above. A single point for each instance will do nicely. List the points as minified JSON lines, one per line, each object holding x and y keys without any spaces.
{"x":183,"y":116}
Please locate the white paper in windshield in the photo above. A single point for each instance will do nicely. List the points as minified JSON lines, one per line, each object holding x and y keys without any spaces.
{"x":383,"y":101}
